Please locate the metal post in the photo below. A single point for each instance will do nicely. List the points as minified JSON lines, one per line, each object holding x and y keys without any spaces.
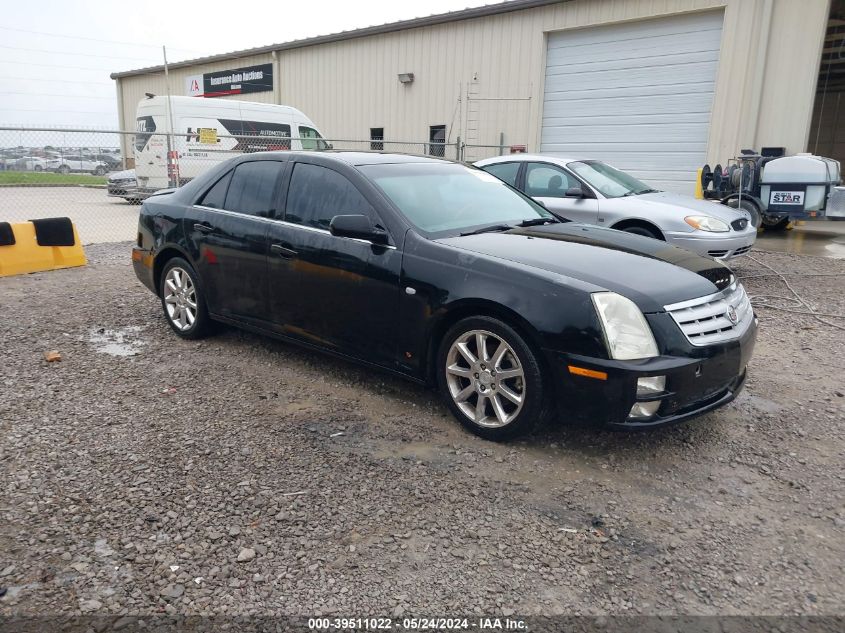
{"x":172,"y":177}
{"x":501,"y":143}
{"x":458,"y":148}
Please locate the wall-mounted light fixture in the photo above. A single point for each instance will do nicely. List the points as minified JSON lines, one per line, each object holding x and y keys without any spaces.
{"x":406,"y":78}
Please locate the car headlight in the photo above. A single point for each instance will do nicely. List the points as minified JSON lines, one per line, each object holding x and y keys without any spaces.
{"x":626,"y":331}
{"x":706,"y":223}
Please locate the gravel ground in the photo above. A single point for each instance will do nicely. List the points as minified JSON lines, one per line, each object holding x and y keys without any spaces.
{"x":144,"y":474}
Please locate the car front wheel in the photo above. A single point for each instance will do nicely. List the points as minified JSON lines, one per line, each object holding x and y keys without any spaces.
{"x":490,"y":379}
{"x":182,"y":300}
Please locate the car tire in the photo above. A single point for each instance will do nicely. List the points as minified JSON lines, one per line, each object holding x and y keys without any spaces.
{"x":38,"y":168}
{"x":182,"y":300}
{"x":64,"y":169}
{"x":642,"y":230}
{"x":100,"y":171}
{"x":487,"y":404}
{"x":747,"y":205}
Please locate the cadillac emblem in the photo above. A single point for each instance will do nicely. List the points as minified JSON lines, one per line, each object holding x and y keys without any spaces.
{"x":732,"y":315}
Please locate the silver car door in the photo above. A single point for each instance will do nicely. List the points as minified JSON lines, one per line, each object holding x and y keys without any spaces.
{"x":549,"y":184}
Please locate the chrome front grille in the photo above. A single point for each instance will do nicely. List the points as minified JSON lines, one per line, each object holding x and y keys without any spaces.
{"x":707,"y":320}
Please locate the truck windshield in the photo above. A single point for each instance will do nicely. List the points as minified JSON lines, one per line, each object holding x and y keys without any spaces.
{"x":611,"y":182}
{"x":144,"y":128}
{"x":446,"y":198}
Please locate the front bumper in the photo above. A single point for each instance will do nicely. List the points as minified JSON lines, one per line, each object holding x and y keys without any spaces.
{"x":125,"y":190}
{"x":698,"y":380}
{"x":716,"y":245}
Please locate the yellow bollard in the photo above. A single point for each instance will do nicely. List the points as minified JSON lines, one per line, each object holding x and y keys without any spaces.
{"x":699,"y":190}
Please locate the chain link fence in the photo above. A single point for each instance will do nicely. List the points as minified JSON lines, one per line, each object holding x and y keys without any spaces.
{"x":97,"y":178}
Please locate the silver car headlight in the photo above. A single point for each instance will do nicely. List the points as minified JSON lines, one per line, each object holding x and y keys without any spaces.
{"x":707,"y":223}
{"x":626,"y":332}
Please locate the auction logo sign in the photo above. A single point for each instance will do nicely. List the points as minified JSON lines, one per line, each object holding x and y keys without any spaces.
{"x":238,"y":81}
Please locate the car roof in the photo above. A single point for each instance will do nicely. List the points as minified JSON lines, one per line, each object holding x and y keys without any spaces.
{"x":356,"y":158}
{"x":549,"y":158}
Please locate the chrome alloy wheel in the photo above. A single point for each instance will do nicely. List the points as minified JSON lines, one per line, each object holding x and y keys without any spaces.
{"x":485,"y":378}
{"x":180,"y":298}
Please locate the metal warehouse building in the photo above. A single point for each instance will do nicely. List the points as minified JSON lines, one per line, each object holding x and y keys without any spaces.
{"x":656,"y":87}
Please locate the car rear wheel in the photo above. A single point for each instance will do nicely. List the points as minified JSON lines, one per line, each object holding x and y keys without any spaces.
{"x":490,"y":379}
{"x":642,"y":230}
{"x":100,"y":171}
{"x":64,"y":169}
{"x":182,"y":300}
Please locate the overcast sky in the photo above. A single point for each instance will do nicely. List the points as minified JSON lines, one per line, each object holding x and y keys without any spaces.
{"x":56,"y":55}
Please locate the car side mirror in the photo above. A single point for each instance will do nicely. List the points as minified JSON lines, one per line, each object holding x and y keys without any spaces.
{"x":575,"y":192}
{"x":358,"y":227}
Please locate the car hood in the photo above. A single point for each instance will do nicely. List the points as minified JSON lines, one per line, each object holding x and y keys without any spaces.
{"x":649,"y":272}
{"x":680,"y":204}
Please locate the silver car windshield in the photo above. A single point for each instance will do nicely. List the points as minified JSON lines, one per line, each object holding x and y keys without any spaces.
{"x":609,"y":181}
{"x":442,"y":198}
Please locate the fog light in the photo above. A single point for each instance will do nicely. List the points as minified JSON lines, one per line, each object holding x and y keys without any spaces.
{"x":651,"y":384}
{"x":648,"y":386}
{"x":644,"y":409}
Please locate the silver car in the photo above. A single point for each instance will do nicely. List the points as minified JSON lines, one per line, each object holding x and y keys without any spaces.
{"x":593,"y":192}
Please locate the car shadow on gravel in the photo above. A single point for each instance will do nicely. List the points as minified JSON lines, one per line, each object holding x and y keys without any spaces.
{"x":396,"y":393}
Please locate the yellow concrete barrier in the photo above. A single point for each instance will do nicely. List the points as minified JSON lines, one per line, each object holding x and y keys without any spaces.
{"x":27,"y":256}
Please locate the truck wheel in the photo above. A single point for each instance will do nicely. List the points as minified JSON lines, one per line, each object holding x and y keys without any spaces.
{"x":749,"y":206}
{"x":775,"y":223}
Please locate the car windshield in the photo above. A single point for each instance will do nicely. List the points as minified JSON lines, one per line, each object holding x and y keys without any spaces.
{"x":610,"y":182}
{"x":448,"y":198}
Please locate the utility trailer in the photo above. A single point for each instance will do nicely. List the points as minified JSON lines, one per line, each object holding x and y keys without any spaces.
{"x":776,"y":189}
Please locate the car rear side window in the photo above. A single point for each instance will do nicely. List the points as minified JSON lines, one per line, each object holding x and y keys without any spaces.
{"x":504,"y":171}
{"x":253,"y":188}
{"x":318,"y":194}
{"x":547,"y":181}
{"x":216,"y":196}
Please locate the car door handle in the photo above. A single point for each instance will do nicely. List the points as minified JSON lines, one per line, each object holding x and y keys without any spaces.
{"x":281,"y":251}
{"x":203,"y":228}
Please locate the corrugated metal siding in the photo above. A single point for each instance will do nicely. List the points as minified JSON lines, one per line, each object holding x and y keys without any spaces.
{"x":347,"y":87}
{"x":480,"y":77}
{"x":135,"y":87}
{"x":613,"y":93}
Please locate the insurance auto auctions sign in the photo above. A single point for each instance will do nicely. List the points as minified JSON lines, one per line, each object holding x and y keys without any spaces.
{"x":239,"y":81}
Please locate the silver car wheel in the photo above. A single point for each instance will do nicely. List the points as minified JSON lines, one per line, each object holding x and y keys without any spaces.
{"x":180,"y":298}
{"x":485,"y":378}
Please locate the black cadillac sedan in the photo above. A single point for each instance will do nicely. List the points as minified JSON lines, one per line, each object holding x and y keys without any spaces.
{"x":443,"y":274}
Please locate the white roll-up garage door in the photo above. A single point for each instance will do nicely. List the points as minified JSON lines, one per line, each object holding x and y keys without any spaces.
{"x":637,"y":95}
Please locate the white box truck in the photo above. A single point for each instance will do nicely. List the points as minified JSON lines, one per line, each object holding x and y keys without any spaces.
{"x":208,"y":131}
